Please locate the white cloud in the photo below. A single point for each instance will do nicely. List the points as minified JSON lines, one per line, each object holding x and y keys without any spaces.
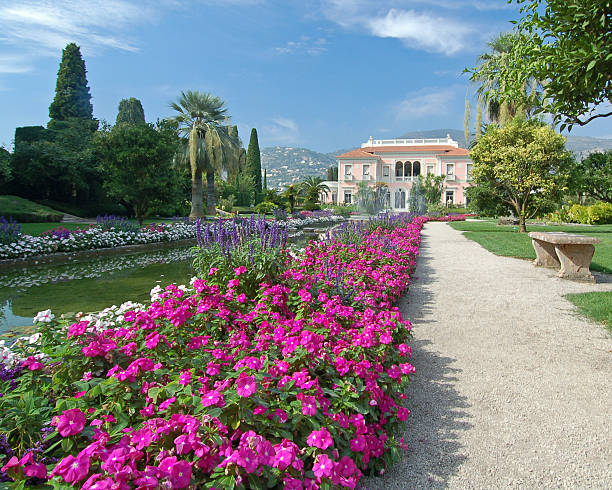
{"x":305,"y":44}
{"x":14,"y":64}
{"x":280,"y":131}
{"x":421,"y":30}
{"x":46,"y":26}
{"x":416,"y":29}
{"x":426,"y":102}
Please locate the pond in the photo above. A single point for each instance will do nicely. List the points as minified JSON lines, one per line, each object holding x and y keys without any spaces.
{"x":90,"y":285}
{"x":94,"y":284}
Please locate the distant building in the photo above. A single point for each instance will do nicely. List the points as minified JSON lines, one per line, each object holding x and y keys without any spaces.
{"x":397,"y":163}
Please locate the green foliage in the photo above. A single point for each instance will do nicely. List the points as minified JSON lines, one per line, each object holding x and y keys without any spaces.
{"x":592,"y":177}
{"x":566,"y":44}
{"x":241,"y":186}
{"x":432,"y":187}
{"x":72,"y":97}
{"x":484,"y":200}
{"x":332,"y":173}
{"x":310,"y":189}
{"x":291,"y":195}
{"x":26,"y":211}
{"x":265,"y":207}
{"x":227,"y":203}
{"x":524,"y":164}
{"x":597,"y":214}
{"x":253,"y":162}
{"x":344,"y":211}
{"x":29,"y":134}
{"x":5,"y":167}
{"x":130,"y":112}
{"x":60,"y":165}
{"x":138,"y":165}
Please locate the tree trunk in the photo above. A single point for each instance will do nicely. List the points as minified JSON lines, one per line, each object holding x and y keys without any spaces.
{"x":522,"y":227}
{"x":197,"y":210}
{"x":210,"y":193}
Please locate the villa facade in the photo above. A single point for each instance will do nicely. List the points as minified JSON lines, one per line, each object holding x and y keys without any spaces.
{"x":397,"y":163}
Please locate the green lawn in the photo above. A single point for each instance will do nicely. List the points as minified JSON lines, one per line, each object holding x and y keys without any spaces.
{"x":597,"y":306}
{"x":23,"y":210}
{"x":504,"y":240}
{"x":36,"y":229}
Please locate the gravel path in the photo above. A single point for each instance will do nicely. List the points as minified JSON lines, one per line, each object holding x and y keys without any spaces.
{"x":513,"y":388}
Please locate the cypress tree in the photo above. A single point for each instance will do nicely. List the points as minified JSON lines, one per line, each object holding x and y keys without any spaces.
{"x":72,"y":97}
{"x":130,"y":111}
{"x":253,"y":161}
{"x":265,"y":181}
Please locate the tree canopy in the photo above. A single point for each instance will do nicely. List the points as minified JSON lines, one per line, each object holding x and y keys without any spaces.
{"x":566,"y":45}
{"x":72,"y":97}
{"x":130,"y":112}
{"x":137,"y":163}
{"x":592,"y":176}
{"x":253,"y":162}
{"x":524,"y":163}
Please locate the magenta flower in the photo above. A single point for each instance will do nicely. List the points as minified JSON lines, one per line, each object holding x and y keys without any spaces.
{"x":185,"y":378}
{"x":247,"y":458}
{"x":142,"y":438}
{"x":212,"y":397}
{"x":402,"y":413}
{"x":32,"y":364}
{"x":71,"y":422}
{"x":246,"y":386}
{"x":320,"y":438}
{"x":180,"y":474}
{"x":72,"y":469}
{"x":359,"y":443}
{"x":309,"y":405}
{"x":266,"y":453}
{"x":240,"y":270}
{"x":323,"y":466}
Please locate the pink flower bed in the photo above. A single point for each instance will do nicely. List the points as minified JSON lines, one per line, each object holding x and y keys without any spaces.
{"x":300,"y":387}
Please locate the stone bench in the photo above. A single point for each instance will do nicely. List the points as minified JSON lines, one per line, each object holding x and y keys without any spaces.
{"x":571,"y":254}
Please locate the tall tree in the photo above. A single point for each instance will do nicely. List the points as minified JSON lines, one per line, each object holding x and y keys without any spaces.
{"x":72,"y":97}
{"x":253,"y":162}
{"x":565,"y":44}
{"x":130,"y":111}
{"x":525,"y":163}
{"x":311,"y":188}
{"x":207,"y":144}
{"x":487,"y":75}
{"x":137,"y":162}
{"x":265,"y":181}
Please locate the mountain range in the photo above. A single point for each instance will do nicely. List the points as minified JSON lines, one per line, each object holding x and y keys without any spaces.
{"x":288,"y":165}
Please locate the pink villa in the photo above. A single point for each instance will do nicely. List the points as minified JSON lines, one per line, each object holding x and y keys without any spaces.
{"x":397,"y":163}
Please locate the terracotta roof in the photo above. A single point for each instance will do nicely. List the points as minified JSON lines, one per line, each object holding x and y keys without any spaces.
{"x":372,"y":151}
{"x":358,"y":153}
{"x":456,"y":152}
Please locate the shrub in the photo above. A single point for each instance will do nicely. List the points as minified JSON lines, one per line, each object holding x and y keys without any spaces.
{"x":597,"y":214}
{"x":265,"y":207}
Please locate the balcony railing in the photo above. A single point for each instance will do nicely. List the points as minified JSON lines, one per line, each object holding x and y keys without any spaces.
{"x":450,"y":177}
{"x":411,"y":142}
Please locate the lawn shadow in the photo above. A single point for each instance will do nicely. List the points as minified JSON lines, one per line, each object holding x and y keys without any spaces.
{"x":438,"y":410}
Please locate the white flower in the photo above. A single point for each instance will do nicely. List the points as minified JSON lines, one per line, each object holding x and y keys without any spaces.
{"x":44,"y":316}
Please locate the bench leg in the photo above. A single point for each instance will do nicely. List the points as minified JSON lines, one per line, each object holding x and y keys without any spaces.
{"x":546,"y":256}
{"x":575,"y":261}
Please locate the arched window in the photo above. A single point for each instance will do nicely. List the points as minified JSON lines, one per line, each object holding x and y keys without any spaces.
{"x":398,"y":169}
{"x":416,"y":168}
{"x":400,"y":199}
{"x":407,"y":169}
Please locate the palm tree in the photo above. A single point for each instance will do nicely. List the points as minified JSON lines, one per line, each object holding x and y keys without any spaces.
{"x":487,"y":75}
{"x":312,"y":187}
{"x":208,"y":145}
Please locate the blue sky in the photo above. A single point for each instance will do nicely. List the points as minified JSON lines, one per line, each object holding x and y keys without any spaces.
{"x":320,"y":74}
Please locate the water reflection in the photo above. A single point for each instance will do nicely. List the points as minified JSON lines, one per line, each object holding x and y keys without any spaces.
{"x":89,"y":285}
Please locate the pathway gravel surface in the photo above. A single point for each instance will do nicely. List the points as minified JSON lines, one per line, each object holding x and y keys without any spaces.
{"x":513,"y":387}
